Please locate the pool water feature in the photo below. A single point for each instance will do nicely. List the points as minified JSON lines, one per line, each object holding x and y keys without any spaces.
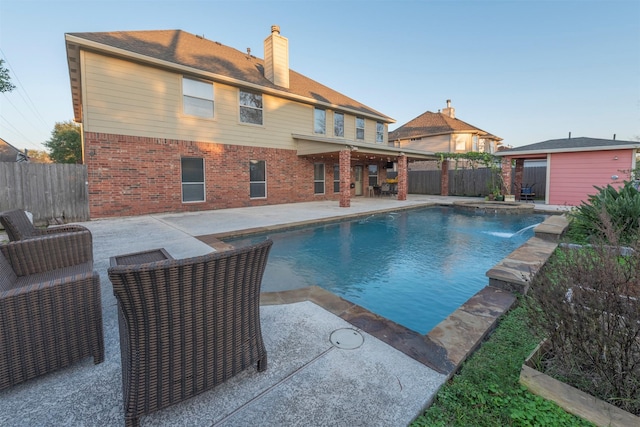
{"x":414,"y":267}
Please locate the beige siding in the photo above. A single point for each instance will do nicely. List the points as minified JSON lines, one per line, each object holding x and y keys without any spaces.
{"x":122,"y":97}
{"x":437,"y":144}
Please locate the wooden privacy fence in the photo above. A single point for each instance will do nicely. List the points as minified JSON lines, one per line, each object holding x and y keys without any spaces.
{"x":46,"y":190}
{"x":472,"y":182}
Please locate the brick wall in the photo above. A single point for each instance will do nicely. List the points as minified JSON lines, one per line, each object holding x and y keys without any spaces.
{"x":136,"y":175}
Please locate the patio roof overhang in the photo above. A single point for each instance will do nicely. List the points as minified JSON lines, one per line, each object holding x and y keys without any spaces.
{"x":321,"y":146}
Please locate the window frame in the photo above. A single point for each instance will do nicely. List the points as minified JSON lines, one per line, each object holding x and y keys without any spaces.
{"x":242,"y":106}
{"x":257,"y":182}
{"x":360,"y":128}
{"x":194,"y":96}
{"x":377,"y":171}
{"x":317,"y":181}
{"x":337,"y":114}
{"x":379,"y":132}
{"x":336,"y":178}
{"x":322,"y":129}
{"x":188,"y":183}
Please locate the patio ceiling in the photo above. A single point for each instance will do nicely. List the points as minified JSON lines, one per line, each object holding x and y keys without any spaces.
{"x":329,"y":148}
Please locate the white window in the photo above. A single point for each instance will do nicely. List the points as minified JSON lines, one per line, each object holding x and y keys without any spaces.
{"x":336,"y":178}
{"x":359,"y":128}
{"x":197,"y":98}
{"x":373,"y":174}
{"x":250,"y":107}
{"x":379,"y":132}
{"x":192,"y":179}
{"x":318,"y":178}
{"x":461,"y":142}
{"x":257,"y":179}
{"x":319,"y":121}
{"x":338,"y":124}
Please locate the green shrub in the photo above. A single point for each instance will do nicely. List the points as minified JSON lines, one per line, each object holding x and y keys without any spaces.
{"x":622,"y":207}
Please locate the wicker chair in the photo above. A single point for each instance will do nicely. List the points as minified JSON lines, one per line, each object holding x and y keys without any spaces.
{"x":18,"y":226}
{"x":187,"y":325}
{"x":50,"y":307}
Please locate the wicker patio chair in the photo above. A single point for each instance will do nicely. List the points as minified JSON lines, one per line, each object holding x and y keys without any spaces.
{"x":187,"y":325}
{"x":18,"y":226}
{"x":50,"y":307}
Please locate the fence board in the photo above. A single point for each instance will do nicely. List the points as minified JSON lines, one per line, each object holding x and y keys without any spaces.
{"x":471,"y":182}
{"x":46,"y":190}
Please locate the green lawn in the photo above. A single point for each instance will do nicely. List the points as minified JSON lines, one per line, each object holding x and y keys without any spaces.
{"x":486,"y":391}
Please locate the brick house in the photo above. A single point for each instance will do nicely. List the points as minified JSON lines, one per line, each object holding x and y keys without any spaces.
{"x":174,"y":122}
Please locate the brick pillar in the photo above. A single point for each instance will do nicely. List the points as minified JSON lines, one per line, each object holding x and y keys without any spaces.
{"x":403,"y":176}
{"x":518,"y":178}
{"x":444,"y":180}
{"x":506,"y":175}
{"x":345,"y":178}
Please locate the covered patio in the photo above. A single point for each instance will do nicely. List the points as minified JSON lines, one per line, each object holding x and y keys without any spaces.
{"x":356,"y":161}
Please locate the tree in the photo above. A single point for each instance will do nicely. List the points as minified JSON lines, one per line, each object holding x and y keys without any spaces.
{"x":65,"y":144}
{"x":5,"y":79}
{"x":39,"y":156}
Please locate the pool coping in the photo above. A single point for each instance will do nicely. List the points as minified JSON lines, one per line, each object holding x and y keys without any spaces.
{"x":445,"y":347}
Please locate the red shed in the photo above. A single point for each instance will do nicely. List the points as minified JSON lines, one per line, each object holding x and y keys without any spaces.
{"x":575,"y":166}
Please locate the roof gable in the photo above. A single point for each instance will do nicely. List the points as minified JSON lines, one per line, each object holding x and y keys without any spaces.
{"x":187,"y":51}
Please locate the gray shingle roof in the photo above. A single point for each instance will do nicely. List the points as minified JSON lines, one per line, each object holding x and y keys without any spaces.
{"x":571,"y":144}
{"x":186,"y":49}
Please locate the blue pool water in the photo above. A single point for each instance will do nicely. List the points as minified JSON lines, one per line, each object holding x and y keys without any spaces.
{"x":414,"y":267}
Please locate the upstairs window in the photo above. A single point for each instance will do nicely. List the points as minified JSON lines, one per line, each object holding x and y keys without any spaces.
{"x":192,"y":179}
{"x":197,"y":98}
{"x":359,"y":128}
{"x":258,"y":179}
{"x":338,"y":124}
{"x":250,"y":107}
{"x":379,"y":132}
{"x":319,"y":121}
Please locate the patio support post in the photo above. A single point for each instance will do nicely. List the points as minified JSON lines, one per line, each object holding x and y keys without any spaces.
{"x":403,"y":176}
{"x":518,"y":178}
{"x":345,"y":178}
{"x":444,"y":178}
{"x":506,"y":175}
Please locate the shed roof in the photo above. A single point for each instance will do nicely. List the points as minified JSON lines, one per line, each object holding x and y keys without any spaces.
{"x":196,"y":55}
{"x":570,"y":144}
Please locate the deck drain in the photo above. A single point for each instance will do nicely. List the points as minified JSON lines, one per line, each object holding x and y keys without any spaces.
{"x":346,"y":339}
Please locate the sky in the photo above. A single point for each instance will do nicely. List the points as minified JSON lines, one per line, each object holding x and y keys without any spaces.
{"x":524,"y":70}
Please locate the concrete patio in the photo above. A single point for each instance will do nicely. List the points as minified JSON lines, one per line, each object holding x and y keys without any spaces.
{"x":388,"y":380}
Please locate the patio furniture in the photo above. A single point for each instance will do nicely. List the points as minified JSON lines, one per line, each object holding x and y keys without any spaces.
{"x":18,"y":226}
{"x":50,"y":307}
{"x":385,"y":189}
{"x":527,"y":194}
{"x":187,"y":325}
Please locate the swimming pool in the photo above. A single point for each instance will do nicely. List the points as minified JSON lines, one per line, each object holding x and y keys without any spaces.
{"x":414,"y":267}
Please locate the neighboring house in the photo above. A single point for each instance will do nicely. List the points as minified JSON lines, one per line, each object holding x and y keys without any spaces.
{"x":443,"y":132}
{"x":574,"y":166}
{"x":175,"y":122}
{"x":9,"y":153}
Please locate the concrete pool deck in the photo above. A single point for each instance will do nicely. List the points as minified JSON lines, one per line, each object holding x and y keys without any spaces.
{"x":386,"y":381}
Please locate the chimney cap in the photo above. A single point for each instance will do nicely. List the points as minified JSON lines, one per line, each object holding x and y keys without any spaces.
{"x":275,"y":29}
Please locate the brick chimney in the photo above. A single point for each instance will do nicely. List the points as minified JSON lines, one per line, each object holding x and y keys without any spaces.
{"x":449,"y":111}
{"x":276,"y":58}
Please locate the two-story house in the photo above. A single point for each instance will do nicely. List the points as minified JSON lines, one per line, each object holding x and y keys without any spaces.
{"x":443,"y":132}
{"x":172,"y":121}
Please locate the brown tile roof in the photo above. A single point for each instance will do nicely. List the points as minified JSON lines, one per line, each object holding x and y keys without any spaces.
{"x":429,"y":124}
{"x":186,"y":49}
